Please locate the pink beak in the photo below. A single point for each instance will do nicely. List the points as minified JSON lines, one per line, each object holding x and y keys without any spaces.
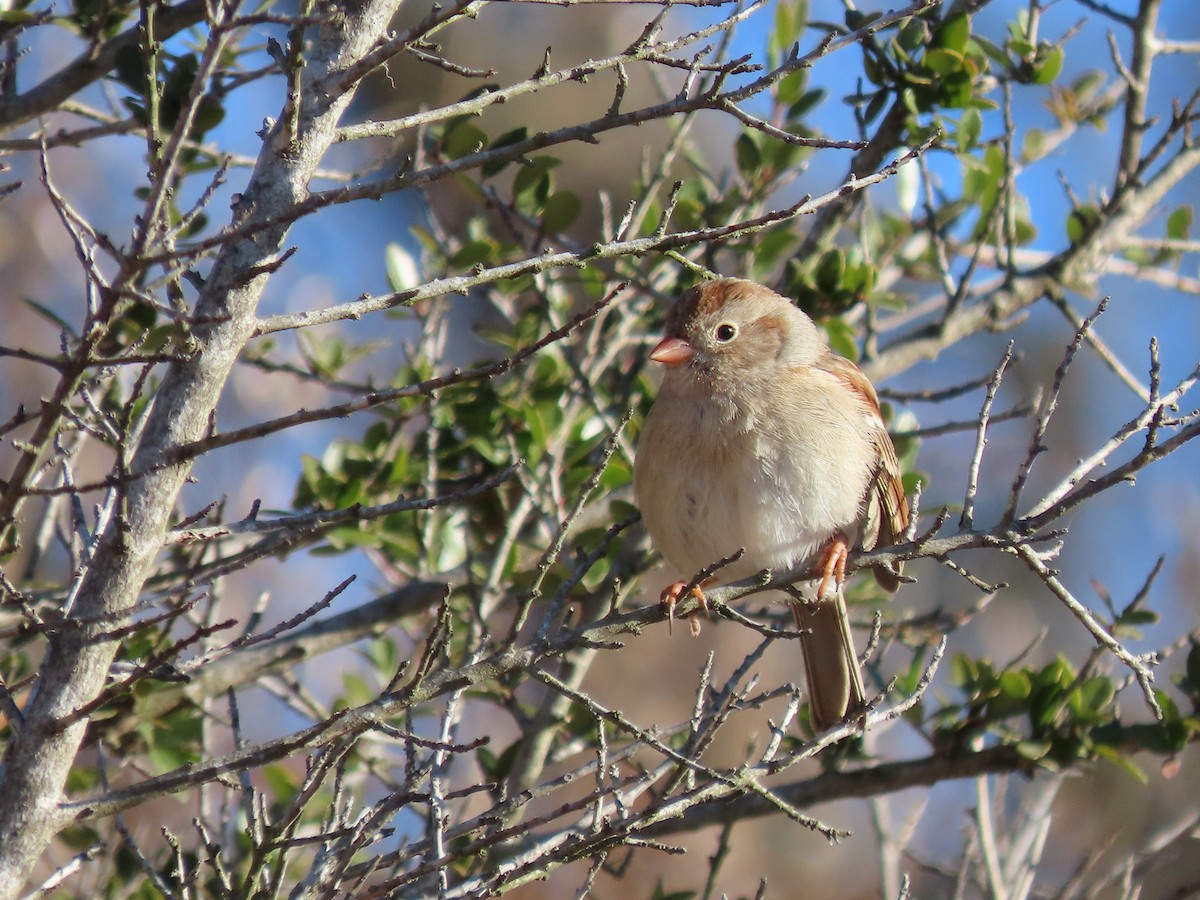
{"x":672,"y":351}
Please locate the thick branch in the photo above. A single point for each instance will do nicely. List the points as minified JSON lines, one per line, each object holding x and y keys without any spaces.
{"x":885,"y":778}
{"x":77,"y":660}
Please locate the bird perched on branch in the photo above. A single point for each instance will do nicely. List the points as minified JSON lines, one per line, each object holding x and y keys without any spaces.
{"x":763,"y":440}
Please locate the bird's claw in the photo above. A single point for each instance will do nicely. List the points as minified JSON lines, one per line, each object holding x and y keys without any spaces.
{"x":669,"y":599}
{"x":833,"y":568}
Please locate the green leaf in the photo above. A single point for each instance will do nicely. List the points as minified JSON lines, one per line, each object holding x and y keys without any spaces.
{"x":383,"y":655}
{"x":805,"y":103}
{"x":16,"y":16}
{"x":496,"y":768}
{"x":856,"y":19}
{"x":770,"y":246}
{"x":1048,"y":66}
{"x":425,"y":239}
{"x":78,"y":838}
{"x":355,"y":691}
{"x":747,"y":155}
{"x":403,"y":270}
{"x":963,"y":671}
{"x":859,"y":277}
{"x":209,"y":115}
{"x":1193,"y":665}
{"x":1015,"y":685}
{"x":533,"y":184}
{"x":1139,"y":617}
{"x":1021,"y":48}
{"x":944,"y":62}
{"x":1179,"y":223}
{"x":593,"y":280}
{"x":175,"y":742}
{"x":1095,"y":695}
{"x":197,"y":224}
{"x":1058,"y":672}
{"x":616,"y":475}
{"x":345,"y":538}
{"x":1033,"y":750}
{"x":463,"y":139}
{"x":505,"y":140}
{"x":561,"y":210}
{"x":953,"y":33}
{"x":1139,"y":256}
{"x":912,"y":479}
{"x":790,"y":88}
{"x":471,"y":253}
{"x":53,"y":317}
{"x":970,"y":127}
{"x":907,"y":681}
{"x":1080,"y":221}
{"x":993,"y":52}
{"x":789,"y":19}
{"x":1114,"y":756}
{"x":913,"y":34}
{"x":830,"y":270}
{"x":1033,"y":145}
{"x":280,"y":780}
{"x":876,"y":104}
{"x":842,"y":338}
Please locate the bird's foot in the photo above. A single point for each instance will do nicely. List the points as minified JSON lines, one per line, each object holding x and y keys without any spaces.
{"x":670,"y":597}
{"x":833,"y":565}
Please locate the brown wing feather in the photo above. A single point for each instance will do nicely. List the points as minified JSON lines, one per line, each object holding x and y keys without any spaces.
{"x":887,"y":506}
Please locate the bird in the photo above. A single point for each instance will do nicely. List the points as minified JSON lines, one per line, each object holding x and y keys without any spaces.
{"x":763,"y":441}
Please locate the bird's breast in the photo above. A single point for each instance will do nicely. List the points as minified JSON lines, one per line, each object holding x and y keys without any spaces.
{"x":711,"y":480}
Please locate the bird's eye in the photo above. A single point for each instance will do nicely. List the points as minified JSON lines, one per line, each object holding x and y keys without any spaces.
{"x":726,"y":332}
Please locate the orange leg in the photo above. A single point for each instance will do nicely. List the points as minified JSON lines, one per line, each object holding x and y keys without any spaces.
{"x":670,"y":597}
{"x":833,"y":567}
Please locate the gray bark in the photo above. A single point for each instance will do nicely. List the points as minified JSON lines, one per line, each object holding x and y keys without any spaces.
{"x":38,"y":760}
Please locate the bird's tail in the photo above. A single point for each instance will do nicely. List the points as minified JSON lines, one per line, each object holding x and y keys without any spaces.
{"x":835,"y":684}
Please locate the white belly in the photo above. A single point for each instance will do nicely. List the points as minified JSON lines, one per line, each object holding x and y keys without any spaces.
{"x":722,"y":489}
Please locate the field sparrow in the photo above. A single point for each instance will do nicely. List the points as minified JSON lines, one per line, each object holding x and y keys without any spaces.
{"x":764,"y":440}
